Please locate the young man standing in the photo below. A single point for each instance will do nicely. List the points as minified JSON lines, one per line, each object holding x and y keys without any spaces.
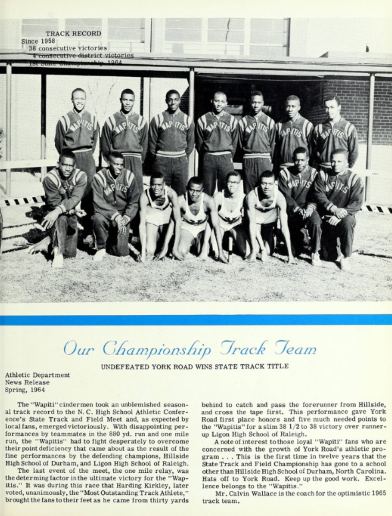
{"x":257,"y":140}
{"x":339,"y":196}
{"x":296,"y":183}
{"x":264,"y":205}
{"x":292,"y":132}
{"x":198,"y":210}
{"x":78,"y":131}
{"x":127,"y":132}
{"x":158,"y":205}
{"x":216,"y":143}
{"x":334,"y":133}
{"x":230,"y":205}
{"x":171,"y":140}
{"x":64,"y":187}
{"x":116,"y":198}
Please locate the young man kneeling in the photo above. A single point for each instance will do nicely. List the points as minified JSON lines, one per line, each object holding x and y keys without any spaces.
{"x":116,"y":196}
{"x":64,"y":187}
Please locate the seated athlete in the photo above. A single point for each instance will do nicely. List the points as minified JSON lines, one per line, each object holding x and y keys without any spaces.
{"x":116,"y":198}
{"x":64,"y":187}
{"x":198,"y":210}
{"x":158,"y":205}
{"x":264,"y":205}
{"x":296,"y":184}
{"x":339,"y":196}
{"x":230,"y":203}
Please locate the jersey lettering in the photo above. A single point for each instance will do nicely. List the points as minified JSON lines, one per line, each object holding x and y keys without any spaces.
{"x":221,"y":125}
{"x":177,"y":125}
{"x":258,"y":125}
{"x":289,"y":130}
{"x":121,"y":127}
{"x":81,"y":123}
{"x":116,"y":186}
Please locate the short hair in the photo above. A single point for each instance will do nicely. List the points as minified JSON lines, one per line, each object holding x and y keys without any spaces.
{"x":172,"y":92}
{"x":293,"y":97}
{"x":266,"y":173}
{"x":233,"y":174}
{"x":157,"y":175}
{"x":219,"y":93}
{"x":340,"y":151}
{"x":127,"y":91}
{"x":332,"y":96}
{"x":75,"y":90}
{"x":195,"y":180}
{"x":115,"y":155}
{"x":255,"y":93}
{"x":67,"y":153}
{"x":301,"y":150}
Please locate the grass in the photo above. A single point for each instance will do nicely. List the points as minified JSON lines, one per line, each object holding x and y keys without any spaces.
{"x":26,"y":278}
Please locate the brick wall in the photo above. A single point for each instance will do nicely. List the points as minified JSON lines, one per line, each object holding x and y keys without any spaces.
{"x":354,"y":96}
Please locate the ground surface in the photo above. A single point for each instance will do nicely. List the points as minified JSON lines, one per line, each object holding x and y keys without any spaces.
{"x":27,"y":278}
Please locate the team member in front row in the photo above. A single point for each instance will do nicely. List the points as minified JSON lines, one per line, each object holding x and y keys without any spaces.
{"x":78,"y":131}
{"x":334,"y":133}
{"x":230,"y":205}
{"x":198,"y":210}
{"x":292,"y":132}
{"x":339,"y":196}
{"x":171,"y":140}
{"x":257,"y":139}
{"x":296,"y":183}
{"x":263,"y":207}
{"x":64,"y":187}
{"x":158,"y":205}
{"x":126,"y":132}
{"x":216,"y":143}
{"x":116,"y":198}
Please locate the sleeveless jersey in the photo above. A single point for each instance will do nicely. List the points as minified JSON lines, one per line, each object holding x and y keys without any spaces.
{"x":230,"y":219}
{"x":158,"y":215}
{"x":266,"y":209}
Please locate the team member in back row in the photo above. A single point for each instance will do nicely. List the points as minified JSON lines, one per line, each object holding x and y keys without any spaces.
{"x":158,"y":206}
{"x":292,"y":132}
{"x":334,"y":133}
{"x":264,"y":205}
{"x":64,"y":187}
{"x":216,"y":143}
{"x":296,"y":185}
{"x":126,"y":132}
{"x":116,"y":199}
{"x":257,"y":140}
{"x":339,"y":196}
{"x":78,"y":131}
{"x":171,"y":140}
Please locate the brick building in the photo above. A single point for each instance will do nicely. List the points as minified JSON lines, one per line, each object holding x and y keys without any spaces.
{"x":196,"y":56}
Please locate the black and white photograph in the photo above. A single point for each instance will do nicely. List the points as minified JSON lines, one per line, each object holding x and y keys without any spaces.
{"x":195,"y":159}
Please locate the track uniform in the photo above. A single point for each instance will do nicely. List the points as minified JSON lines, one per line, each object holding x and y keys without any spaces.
{"x":155,"y":214}
{"x":216,"y":143}
{"x":229,"y":219}
{"x":291,"y":134}
{"x":64,"y":195}
{"x":328,"y":137}
{"x":128,"y":134}
{"x":79,"y":133}
{"x":296,"y":187}
{"x":114,"y":197}
{"x":171,"y":140}
{"x":266,"y":216}
{"x":194,"y":224}
{"x":257,"y":140}
{"x":344,"y":190}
